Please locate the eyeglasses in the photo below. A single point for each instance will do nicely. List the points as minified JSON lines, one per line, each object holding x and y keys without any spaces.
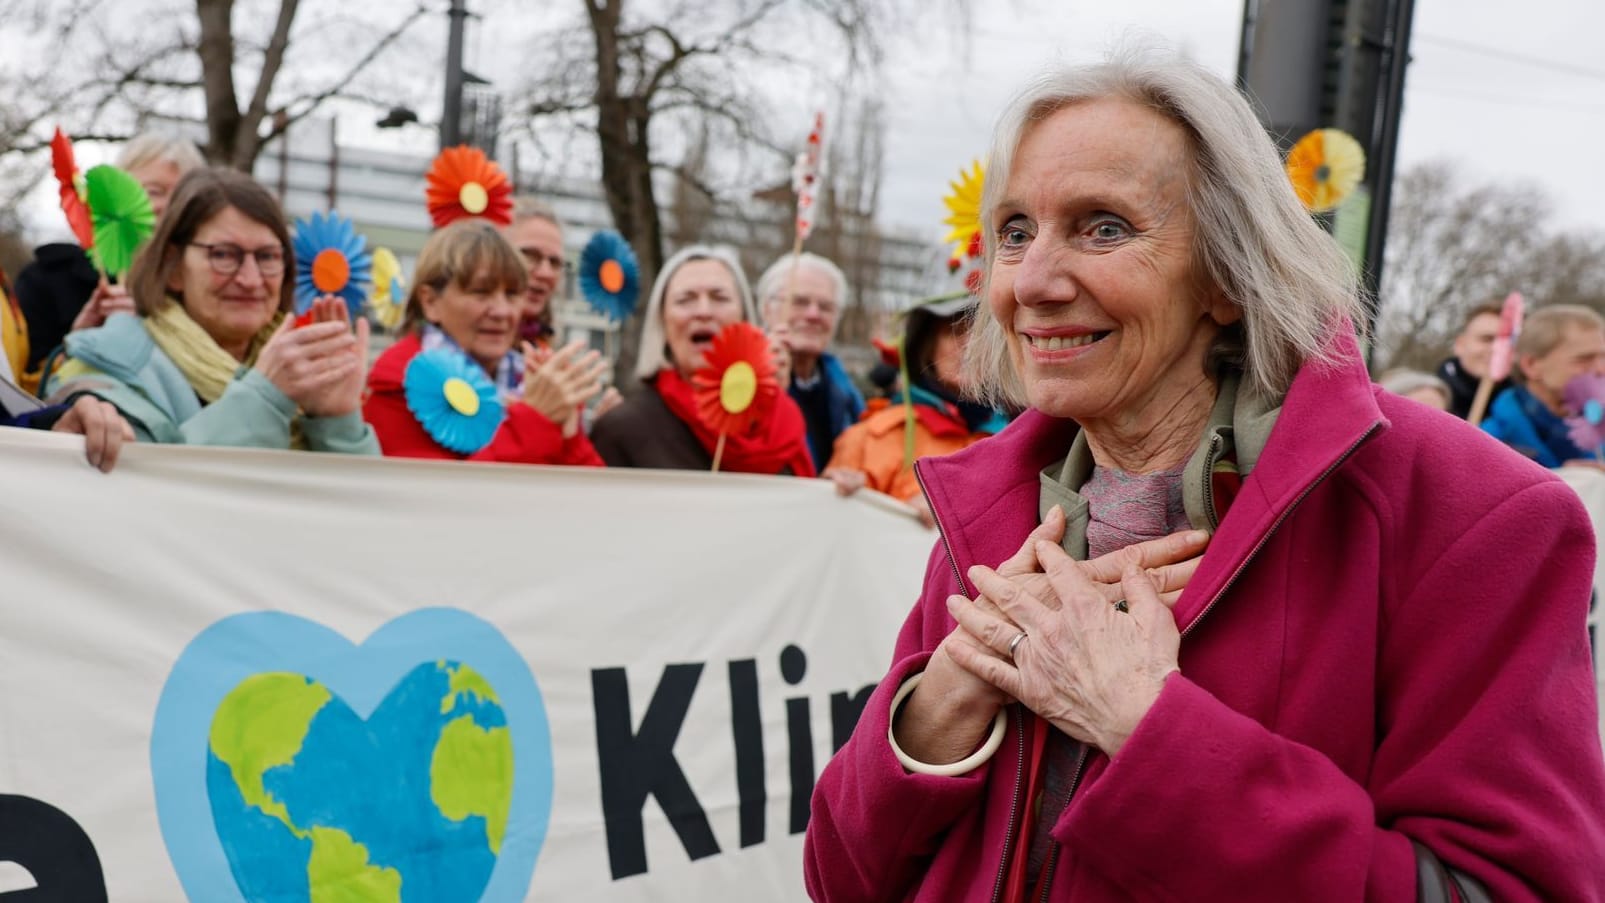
{"x":800,"y":303}
{"x":226,"y":259}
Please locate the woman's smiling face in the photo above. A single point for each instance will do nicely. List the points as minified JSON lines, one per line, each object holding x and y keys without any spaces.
{"x":1094,"y":279}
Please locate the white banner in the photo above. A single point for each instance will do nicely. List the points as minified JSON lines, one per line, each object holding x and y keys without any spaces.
{"x":263,"y":676}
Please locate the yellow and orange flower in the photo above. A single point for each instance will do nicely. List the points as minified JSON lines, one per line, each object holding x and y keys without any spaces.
{"x":1325,"y":166}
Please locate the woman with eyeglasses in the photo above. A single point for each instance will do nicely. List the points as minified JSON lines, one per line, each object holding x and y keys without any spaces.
{"x":211,"y":355}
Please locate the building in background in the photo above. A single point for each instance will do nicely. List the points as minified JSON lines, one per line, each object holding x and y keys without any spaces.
{"x":382,"y":192}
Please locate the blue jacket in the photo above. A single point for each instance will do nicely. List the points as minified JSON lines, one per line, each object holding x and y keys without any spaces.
{"x":846,"y":406}
{"x":1518,"y":419}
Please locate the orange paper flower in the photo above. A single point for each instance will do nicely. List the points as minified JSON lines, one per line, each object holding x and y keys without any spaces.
{"x":73,"y":190}
{"x":1326,"y":165}
{"x":463,"y":182}
{"x":737,"y":387}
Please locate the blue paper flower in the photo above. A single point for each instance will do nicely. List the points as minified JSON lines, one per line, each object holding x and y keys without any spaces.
{"x":453,"y":399}
{"x":610,"y":279}
{"x":331,"y":259}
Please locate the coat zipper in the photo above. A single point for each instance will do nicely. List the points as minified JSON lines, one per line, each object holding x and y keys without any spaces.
{"x":1016,"y":715}
{"x":1209,"y":482}
{"x":1045,"y":881}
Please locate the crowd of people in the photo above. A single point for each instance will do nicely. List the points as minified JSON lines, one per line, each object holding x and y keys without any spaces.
{"x":200,"y":346}
{"x":1243,"y":627}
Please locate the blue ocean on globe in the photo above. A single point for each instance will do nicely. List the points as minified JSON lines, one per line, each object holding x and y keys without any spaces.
{"x":313,"y":804}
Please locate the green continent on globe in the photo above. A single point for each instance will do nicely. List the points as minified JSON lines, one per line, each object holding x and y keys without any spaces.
{"x":464,"y":682}
{"x":338,"y":871}
{"x":261,"y":725}
{"x":471,"y":773}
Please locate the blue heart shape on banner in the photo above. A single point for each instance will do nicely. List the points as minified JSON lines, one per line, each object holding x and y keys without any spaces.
{"x":416,"y":767}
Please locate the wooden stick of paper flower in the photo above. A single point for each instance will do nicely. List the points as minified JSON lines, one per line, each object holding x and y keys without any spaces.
{"x":736,"y":387}
{"x":1500,"y":361}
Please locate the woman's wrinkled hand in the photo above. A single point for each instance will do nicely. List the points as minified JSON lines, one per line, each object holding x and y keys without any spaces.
{"x":320,"y":366}
{"x":102,"y":426}
{"x":1090,"y":668}
{"x":945,"y":717}
{"x":558,"y":384}
{"x":847,"y":480}
{"x":107,"y":299}
{"x":780,"y":351}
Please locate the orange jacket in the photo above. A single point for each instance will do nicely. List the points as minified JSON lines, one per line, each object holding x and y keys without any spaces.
{"x":874,"y":445}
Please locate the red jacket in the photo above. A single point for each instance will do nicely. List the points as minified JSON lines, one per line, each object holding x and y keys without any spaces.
{"x":1383,"y":646}
{"x":525,"y":436}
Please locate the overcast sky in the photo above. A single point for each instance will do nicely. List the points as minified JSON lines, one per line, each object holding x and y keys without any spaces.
{"x":1514,"y":91}
{"x":1501,"y":117}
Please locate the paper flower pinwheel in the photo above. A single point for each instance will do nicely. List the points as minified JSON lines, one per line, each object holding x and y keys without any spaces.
{"x":122,"y":217}
{"x":737,"y":387}
{"x":805,"y":173}
{"x":1510,"y":316}
{"x":963,"y":204}
{"x":389,"y":299}
{"x":610,"y":280}
{"x":463,"y":182}
{"x":1326,"y":165}
{"x":74,"y":190}
{"x":453,"y":399}
{"x":1585,"y":397}
{"x":331,"y":259}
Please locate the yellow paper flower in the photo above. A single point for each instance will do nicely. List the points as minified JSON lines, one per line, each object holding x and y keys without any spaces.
{"x":964,"y":209}
{"x":389,"y":299}
{"x":1325,"y":166}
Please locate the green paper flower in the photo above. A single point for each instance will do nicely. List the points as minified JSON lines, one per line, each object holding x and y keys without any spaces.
{"x":122,"y":217}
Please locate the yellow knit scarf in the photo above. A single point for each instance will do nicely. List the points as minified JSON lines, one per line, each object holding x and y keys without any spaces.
{"x":208,"y":368}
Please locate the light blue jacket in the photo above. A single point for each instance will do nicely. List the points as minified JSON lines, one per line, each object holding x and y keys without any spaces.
{"x":119,"y":362}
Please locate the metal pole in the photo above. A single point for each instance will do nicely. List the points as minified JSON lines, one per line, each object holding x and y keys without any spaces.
{"x":1245,"y":42}
{"x":1395,"y":62}
{"x":452,"y":112}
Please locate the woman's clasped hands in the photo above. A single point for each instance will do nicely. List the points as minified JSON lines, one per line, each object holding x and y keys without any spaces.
{"x":559,"y":383}
{"x":1099,"y":638}
{"x":1099,"y":642}
{"x":322,"y":365}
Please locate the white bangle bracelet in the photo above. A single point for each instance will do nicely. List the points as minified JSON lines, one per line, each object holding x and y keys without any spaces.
{"x":963,"y":766}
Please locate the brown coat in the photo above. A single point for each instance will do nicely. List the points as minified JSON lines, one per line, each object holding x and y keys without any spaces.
{"x":643,"y":432}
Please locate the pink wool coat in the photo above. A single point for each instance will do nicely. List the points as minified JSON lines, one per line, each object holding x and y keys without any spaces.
{"x":1383,"y":651}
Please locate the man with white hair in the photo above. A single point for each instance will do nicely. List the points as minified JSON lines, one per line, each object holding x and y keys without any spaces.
{"x":802,"y":297}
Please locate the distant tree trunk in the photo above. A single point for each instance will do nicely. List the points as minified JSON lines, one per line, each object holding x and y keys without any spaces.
{"x":624,"y":130}
{"x":234,"y":136}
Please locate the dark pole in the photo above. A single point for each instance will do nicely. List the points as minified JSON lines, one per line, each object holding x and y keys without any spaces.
{"x":452,"y":113}
{"x":1245,"y":42}
{"x":1396,"y":58}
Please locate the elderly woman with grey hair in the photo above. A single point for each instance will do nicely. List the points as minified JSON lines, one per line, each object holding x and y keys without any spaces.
{"x":700,"y":291}
{"x":1374,"y":684}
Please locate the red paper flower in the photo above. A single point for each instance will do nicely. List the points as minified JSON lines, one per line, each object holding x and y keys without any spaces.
{"x":462,"y":183}
{"x":72,"y":190}
{"x":737,"y":387}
